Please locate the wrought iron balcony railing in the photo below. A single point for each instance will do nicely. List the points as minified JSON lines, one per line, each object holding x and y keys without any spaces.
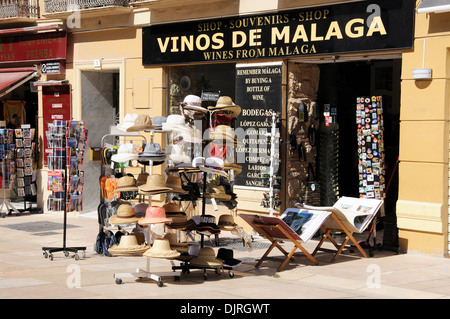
{"x":19,"y":9}
{"x":69,"y":5}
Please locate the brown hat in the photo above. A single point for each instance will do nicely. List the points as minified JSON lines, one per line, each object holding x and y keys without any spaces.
{"x":218,"y":192}
{"x":155,"y":184}
{"x":142,"y":122}
{"x":226,"y":222}
{"x":126,"y":184}
{"x":207,"y":258}
{"x":125,"y":215}
{"x":174,"y":182}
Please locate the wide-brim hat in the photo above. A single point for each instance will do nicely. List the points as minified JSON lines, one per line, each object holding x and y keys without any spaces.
{"x":235,"y":167}
{"x":126,"y":184}
{"x":142,"y":122}
{"x":175,"y":153}
{"x":140,"y":209}
{"x":225,"y":103}
{"x":174,"y":182}
{"x":125,"y":153}
{"x":142,"y":179}
{"x":152,"y":151}
{"x":193,"y":102}
{"x":154,"y":215}
{"x":128,"y":246}
{"x":155,"y":183}
{"x":128,"y":121}
{"x":174,"y":244}
{"x":226,"y":222}
{"x":207,"y":258}
{"x":124,"y":215}
{"x":226,"y":255}
{"x":161,"y":249}
{"x":218,"y":192}
{"x":173,"y":121}
{"x":206,"y":224}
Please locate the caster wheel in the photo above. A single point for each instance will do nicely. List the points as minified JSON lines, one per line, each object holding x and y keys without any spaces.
{"x":76,"y":257}
{"x":177,"y":278}
{"x":66,"y":253}
{"x":50,"y":256}
{"x":205,"y":276}
{"x":118,"y":281}
{"x":83,"y":254}
{"x":371,"y":254}
{"x":231,"y":274}
{"x":159,"y":283}
{"x":45,"y":254}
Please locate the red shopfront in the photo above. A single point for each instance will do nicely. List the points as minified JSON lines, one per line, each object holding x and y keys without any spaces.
{"x":32,"y":61}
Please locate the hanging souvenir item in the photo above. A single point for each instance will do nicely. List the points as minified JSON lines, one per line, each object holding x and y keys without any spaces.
{"x":369,"y":119}
{"x":312,"y":133}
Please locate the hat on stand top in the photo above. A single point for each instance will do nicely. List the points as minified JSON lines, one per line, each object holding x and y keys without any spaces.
{"x":207,"y":258}
{"x":225,"y":104}
{"x":174,"y":121}
{"x":126,"y":184}
{"x":125,"y":153}
{"x":161,"y":249}
{"x":154,"y":215}
{"x":128,"y":246}
{"x":124,"y":215}
{"x":155,"y":184}
{"x":193,"y":104}
{"x":152,"y":151}
{"x":142,"y":122}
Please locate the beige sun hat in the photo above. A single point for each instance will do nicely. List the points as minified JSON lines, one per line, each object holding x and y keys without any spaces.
{"x":218,"y":192}
{"x":155,"y":183}
{"x":174,"y":244}
{"x":225,"y":103}
{"x":128,"y":246}
{"x":126,"y":184}
{"x":142,"y":122}
{"x":161,"y":249}
{"x":125,"y":215}
{"x":207,"y":258}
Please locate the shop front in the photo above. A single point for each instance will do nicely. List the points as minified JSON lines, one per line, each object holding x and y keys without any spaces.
{"x":27,"y":56}
{"x":307,"y":74}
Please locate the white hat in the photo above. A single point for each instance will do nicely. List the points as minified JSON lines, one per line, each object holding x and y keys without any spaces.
{"x":193,"y":102}
{"x":174,"y":121}
{"x":175,"y":153}
{"x":125,"y":153}
{"x":128,"y":122}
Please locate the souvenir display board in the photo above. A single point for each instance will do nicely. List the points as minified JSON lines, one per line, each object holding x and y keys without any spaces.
{"x":369,"y":119}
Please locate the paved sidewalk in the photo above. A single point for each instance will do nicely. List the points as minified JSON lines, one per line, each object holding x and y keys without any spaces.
{"x":25,"y":273}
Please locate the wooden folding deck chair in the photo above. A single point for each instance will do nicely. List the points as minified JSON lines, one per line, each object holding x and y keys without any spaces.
{"x":274,"y":229}
{"x":338,"y":222}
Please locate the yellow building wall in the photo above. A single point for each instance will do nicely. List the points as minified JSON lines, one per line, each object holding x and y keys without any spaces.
{"x":422,"y":206}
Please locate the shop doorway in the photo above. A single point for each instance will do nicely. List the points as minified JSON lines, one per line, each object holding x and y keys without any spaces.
{"x":100,"y":108}
{"x":339,"y":86}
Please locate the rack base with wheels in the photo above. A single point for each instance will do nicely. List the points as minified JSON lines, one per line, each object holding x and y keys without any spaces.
{"x":146,"y":274}
{"x":48,"y":251}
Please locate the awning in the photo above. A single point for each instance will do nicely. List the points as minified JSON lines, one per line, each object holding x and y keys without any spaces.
{"x":11,"y":78}
{"x":434,"y":6}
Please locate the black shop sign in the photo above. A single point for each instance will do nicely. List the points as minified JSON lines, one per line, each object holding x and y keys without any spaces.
{"x":349,"y":27}
{"x":259,"y":94}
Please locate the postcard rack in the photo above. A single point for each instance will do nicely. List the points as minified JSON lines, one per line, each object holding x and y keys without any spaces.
{"x":67,"y":140}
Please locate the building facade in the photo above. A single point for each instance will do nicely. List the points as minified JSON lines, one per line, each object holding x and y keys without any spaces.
{"x":310,"y":62}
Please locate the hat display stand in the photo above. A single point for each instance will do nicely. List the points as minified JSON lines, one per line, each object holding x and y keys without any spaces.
{"x":67,"y":140}
{"x":150,"y":235}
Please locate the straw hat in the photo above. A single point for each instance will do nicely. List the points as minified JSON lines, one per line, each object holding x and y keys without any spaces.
{"x":207,"y":258}
{"x":224,"y":133}
{"x":142,"y":122}
{"x":125,"y":215}
{"x":225,"y":103}
{"x":127,"y":246}
{"x":161,"y":249}
{"x":155,"y":184}
{"x":174,"y":244}
{"x":126,"y":184}
{"x":235,"y":167}
{"x":174,"y":182}
{"x":226,"y":222}
{"x":125,"y":153}
{"x":154,"y":215}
